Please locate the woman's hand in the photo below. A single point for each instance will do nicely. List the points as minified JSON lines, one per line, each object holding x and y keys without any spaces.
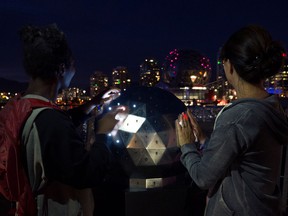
{"x":200,"y":136}
{"x":184,"y":130}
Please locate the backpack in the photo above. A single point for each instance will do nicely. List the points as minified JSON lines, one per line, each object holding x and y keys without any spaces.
{"x":14,"y":183}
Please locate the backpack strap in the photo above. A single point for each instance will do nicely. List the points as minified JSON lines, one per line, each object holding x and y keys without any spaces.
{"x":36,"y":150}
{"x":29,"y":122}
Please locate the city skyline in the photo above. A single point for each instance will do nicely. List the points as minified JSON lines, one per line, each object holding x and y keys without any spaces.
{"x":104,"y":35}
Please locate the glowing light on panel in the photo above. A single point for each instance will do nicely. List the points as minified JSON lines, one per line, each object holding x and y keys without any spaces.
{"x":132,"y":123}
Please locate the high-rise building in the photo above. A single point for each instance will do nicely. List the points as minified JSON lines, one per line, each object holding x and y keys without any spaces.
{"x":98,"y":82}
{"x":220,"y":89}
{"x":220,"y":74}
{"x":121,"y":78}
{"x":71,"y":97}
{"x":278,"y":84}
{"x":149,"y":72}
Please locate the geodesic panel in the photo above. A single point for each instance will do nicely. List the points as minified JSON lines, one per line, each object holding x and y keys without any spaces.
{"x":145,"y":142}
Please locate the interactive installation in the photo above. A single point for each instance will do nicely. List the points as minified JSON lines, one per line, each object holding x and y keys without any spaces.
{"x":144,"y":143}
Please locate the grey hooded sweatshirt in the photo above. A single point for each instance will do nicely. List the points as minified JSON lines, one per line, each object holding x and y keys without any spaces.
{"x":242,"y":161}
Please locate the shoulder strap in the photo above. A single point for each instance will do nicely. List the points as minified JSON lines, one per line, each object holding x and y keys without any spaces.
{"x":29,"y":122}
{"x":36,"y":149}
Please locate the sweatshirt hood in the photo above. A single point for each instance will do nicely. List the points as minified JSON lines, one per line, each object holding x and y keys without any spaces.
{"x":271,"y":111}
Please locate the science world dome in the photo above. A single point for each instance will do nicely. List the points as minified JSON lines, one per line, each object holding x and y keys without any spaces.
{"x":186,"y":68}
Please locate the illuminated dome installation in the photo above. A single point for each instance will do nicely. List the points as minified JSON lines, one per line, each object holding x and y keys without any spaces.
{"x":145,"y":142}
{"x":186,"y":68}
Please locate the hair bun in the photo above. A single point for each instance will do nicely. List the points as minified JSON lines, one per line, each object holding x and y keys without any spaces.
{"x":272,"y":59}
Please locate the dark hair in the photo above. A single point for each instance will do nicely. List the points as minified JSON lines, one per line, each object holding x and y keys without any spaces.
{"x":44,"y":49}
{"x":253,"y":53}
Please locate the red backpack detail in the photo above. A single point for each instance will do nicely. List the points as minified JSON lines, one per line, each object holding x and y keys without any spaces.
{"x":14,"y":183}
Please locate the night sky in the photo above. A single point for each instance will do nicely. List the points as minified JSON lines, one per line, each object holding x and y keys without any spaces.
{"x":109,"y":33}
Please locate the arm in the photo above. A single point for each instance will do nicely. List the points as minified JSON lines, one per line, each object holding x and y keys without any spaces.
{"x":104,"y":96}
{"x":207,"y":167}
{"x":83,"y":112}
{"x":222,"y":150}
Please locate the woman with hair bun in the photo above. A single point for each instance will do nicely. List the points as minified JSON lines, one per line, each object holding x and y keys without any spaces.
{"x":240,"y":163}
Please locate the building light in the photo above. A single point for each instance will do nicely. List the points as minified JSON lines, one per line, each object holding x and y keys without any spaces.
{"x":199,"y":87}
{"x":193,"y":78}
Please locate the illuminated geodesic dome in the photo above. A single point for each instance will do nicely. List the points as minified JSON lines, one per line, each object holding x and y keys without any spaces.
{"x":145,"y":143}
{"x":186,"y":68}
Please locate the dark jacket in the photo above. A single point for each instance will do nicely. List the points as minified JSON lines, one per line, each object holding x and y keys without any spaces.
{"x":61,"y":171}
{"x":56,"y":151}
{"x":242,"y":161}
